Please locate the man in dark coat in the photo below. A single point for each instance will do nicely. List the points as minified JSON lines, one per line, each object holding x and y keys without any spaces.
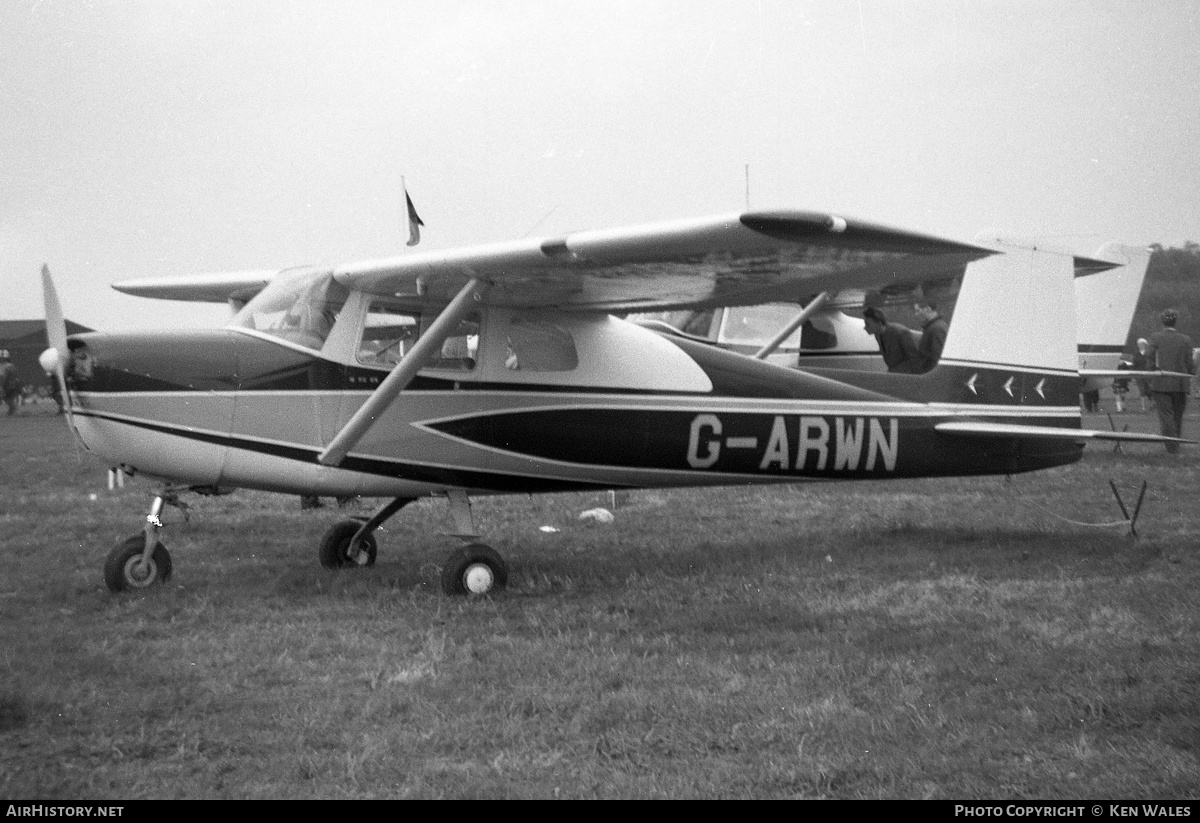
{"x":1170,"y":350}
{"x":10,"y":383}
{"x":933,"y":334}
{"x":896,"y":342}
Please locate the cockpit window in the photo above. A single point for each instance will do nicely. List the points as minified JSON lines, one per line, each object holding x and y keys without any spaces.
{"x":299,"y":307}
{"x":389,"y":332}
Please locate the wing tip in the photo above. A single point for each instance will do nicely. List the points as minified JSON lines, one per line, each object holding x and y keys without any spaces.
{"x":827,"y":228}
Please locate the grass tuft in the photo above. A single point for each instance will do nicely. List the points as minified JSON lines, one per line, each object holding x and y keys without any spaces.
{"x":14,"y":712}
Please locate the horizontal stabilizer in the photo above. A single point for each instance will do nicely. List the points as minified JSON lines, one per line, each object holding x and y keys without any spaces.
{"x":1085,"y":266}
{"x":1141,"y":375}
{"x":984,"y":429}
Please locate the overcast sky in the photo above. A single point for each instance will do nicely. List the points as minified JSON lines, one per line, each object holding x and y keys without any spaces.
{"x":158,"y":138}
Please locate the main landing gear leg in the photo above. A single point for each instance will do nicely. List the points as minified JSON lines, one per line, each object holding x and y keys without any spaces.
{"x":141,"y":560}
{"x":351,"y":543}
{"x":472,"y":568}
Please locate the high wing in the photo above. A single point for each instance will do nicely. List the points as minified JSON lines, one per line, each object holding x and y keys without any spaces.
{"x":219,"y":287}
{"x":737,"y":259}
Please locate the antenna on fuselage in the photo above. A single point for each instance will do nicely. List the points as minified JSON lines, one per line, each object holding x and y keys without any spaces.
{"x":747,"y":187}
{"x":540,"y":222}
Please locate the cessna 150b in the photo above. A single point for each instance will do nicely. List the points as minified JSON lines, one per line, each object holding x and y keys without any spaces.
{"x":503,"y":368}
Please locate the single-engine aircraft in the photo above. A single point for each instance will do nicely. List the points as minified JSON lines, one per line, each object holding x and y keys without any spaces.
{"x":504,"y":368}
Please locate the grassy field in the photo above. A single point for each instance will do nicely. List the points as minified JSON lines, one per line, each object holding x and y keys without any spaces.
{"x":918,"y":639}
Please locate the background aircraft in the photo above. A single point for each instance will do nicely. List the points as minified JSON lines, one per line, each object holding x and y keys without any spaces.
{"x":503,"y":368}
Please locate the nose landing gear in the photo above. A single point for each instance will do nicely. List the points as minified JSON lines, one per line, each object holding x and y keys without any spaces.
{"x":128,"y":568}
{"x":140,"y":560}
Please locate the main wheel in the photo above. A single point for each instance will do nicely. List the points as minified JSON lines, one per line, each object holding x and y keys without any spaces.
{"x":124,"y":569}
{"x":474,"y":569}
{"x":334,"y":550}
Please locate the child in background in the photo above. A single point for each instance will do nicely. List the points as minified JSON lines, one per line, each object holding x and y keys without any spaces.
{"x":1120,"y":386}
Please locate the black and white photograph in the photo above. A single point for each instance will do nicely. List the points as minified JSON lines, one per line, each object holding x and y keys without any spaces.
{"x":599,"y":399}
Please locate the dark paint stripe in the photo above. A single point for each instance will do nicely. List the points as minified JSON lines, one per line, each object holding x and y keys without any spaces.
{"x":757,"y":443}
{"x":383,"y":468}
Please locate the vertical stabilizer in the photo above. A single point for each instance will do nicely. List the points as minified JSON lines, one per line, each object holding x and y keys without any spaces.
{"x":1106,"y":302}
{"x":1016,"y":309}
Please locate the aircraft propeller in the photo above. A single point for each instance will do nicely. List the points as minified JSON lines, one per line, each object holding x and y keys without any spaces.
{"x":55,"y":358}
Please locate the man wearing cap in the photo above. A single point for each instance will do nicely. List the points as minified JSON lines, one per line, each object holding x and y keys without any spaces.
{"x":896,"y":342}
{"x":1170,"y":350}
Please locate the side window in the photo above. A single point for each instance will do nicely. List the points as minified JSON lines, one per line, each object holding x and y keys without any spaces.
{"x":539,"y":345}
{"x":388,"y":333}
{"x":812,"y":337}
{"x":755,"y":325}
{"x":460,"y":349}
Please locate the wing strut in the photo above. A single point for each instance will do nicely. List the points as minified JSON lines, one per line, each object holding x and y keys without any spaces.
{"x":429,"y":344}
{"x":817,"y":302}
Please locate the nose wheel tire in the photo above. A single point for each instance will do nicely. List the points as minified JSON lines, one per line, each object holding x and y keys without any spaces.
{"x":124,"y":569}
{"x":334,"y":550}
{"x":474,"y":569}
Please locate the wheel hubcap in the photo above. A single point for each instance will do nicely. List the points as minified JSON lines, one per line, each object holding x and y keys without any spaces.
{"x":140,"y":574}
{"x":356,"y":554}
{"x":478,"y":578}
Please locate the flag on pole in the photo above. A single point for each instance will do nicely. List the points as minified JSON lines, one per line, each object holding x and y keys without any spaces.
{"x":414,"y":220}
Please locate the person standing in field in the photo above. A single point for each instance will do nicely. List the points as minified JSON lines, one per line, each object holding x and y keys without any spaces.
{"x":1170,"y":350}
{"x":1120,"y":386}
{"x":1140,"y":363}
{"x":1196,"y":360}
{"x":10,"y":383}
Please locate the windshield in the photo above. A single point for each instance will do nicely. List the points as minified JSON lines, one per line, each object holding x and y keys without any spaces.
{"x":298,"y":306}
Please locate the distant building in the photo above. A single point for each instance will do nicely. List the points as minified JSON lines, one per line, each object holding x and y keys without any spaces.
{"x":24,"y":340}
